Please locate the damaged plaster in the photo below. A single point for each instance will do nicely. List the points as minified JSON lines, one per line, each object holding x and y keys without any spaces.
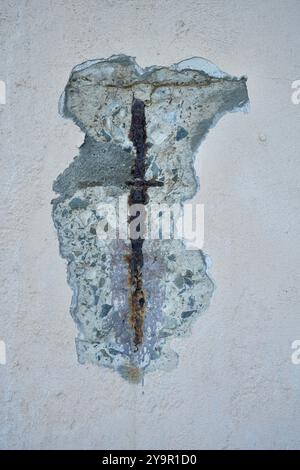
{"x":142,"y":130}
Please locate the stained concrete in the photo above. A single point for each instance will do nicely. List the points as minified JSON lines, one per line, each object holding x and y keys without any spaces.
{"x":179,"y":103}
{"x":97,"y":164}
{"x":240,"y":389}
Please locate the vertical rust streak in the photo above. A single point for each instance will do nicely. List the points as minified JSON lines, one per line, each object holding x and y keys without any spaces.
{"x":138,"y":195}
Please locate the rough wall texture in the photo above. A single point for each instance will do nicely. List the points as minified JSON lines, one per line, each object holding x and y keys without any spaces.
{"x":142,"y":127}
{"x":235,"y":385}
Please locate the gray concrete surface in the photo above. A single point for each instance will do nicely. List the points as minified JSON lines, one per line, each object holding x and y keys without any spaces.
{"x":235,"y":386}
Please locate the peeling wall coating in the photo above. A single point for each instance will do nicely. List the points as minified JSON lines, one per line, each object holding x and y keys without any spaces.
{"x":142,"y":129}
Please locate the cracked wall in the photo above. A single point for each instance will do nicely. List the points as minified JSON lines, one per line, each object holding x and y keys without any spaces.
{"x":142,"y":130}
{"x":235,"y":386}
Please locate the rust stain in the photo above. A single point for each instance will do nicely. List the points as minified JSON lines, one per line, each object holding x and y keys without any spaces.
{"x":133,"y":374}
{"x":138,"y":195}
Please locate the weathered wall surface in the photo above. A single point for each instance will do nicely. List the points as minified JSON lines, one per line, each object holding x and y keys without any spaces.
{"x":235,"y":386}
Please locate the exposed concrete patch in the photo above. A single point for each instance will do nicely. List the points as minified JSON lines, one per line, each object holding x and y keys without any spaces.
{"x":95,"y":166}
{"x":180,"y":103}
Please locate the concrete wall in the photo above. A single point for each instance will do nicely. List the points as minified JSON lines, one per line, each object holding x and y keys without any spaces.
{"x":236,"y":386}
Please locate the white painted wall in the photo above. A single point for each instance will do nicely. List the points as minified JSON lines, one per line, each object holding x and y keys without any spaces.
{"x":236,"y":386}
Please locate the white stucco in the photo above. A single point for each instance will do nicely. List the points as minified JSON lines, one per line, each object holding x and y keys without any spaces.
{"x":235,"y":386}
